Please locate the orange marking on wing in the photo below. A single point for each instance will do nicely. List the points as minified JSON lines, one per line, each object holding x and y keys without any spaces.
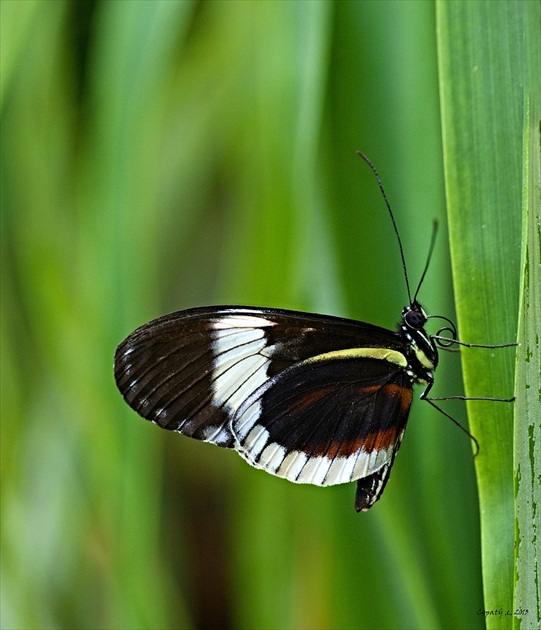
{"x":379,"y":439}
{"x":313,"y":397}
{"x":404,"y":393}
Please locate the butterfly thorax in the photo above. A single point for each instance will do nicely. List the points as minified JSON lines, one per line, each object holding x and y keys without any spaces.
{"x":420,"y":350}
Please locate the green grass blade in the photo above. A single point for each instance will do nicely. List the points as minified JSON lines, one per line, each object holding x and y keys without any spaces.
{"x":488,"y":65}
{"x":527,"y":464}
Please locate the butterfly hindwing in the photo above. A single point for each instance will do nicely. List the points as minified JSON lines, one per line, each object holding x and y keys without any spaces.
{"x":370,"y":489}
{"x":326,"y":421}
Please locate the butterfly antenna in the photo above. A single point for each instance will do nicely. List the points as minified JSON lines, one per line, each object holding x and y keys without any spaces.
{"x":369,"y":162}
{"x":430,"y":250}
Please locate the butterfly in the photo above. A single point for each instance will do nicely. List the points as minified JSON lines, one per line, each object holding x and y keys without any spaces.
{"x":312,"y":398}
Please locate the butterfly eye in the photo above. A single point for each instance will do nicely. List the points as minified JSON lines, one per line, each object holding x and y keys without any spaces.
{"x":414,"y":319}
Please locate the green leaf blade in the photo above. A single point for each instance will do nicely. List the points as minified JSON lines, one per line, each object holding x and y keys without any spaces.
{"x":489,"y":62}
{"x":527,"y":454}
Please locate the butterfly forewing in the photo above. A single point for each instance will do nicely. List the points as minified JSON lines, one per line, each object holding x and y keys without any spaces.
{"x":187,"y":370}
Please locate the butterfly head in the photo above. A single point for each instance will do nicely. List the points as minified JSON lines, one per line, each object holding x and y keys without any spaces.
{"x":414,"y":316}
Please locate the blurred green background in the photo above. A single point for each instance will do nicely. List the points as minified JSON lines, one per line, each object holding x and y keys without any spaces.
{"x":163,"y":155}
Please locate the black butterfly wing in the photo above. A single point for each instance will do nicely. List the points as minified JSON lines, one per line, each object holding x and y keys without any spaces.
{"x":329,"y":420}
{"x":190,"y":371}
{"x":177,"y":371}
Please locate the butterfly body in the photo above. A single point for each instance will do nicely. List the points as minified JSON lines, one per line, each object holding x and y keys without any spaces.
{"x":311,"y":398}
